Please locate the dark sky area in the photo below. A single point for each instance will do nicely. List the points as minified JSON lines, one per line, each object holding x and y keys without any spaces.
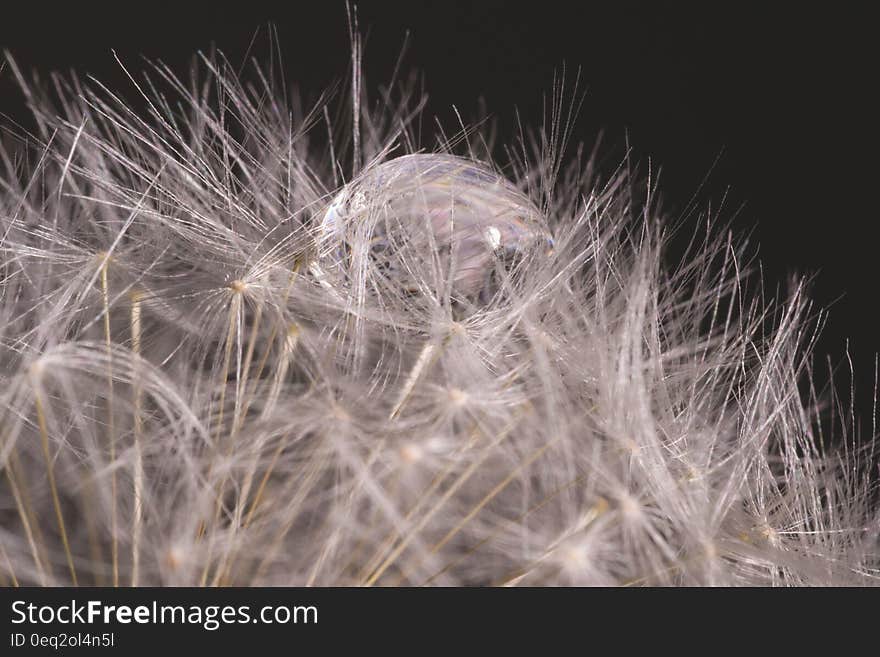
{"x":777,"y":105}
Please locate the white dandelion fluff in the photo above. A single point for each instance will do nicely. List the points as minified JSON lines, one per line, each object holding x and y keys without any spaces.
{"x":222,"y":363}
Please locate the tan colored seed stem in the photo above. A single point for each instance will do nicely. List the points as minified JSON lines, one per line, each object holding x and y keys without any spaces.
{"x":137,"y":519}
{"x":111,"y":430}
{"x":50,"y":472}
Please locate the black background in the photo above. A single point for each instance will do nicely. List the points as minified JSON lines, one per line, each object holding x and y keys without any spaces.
{"x":777,"y":106}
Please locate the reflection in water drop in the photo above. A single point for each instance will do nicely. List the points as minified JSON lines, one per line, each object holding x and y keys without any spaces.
{"x":426,"y":219}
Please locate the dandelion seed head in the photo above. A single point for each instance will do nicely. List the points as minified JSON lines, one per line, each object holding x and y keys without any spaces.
{"x":210,"y":375}
{"x":458,"y":397}
{"x":238,"y":287}
{"x":37,"y":368}
{"x":574,"y":555}
{"x":411,"y":453}
{"x":174,"y":557}
{"x":630,"y":507}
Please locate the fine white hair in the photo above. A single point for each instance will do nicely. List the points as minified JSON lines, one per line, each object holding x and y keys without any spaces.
{"x":191,"y":395}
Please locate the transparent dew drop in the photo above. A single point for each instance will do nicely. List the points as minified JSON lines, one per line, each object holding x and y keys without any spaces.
{"x":425,"y":220}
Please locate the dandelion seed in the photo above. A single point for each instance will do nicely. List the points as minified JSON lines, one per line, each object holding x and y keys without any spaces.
{"x":425,"y":380}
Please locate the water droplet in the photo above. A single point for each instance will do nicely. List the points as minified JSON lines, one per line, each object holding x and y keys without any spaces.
{"x":420,"y":220}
